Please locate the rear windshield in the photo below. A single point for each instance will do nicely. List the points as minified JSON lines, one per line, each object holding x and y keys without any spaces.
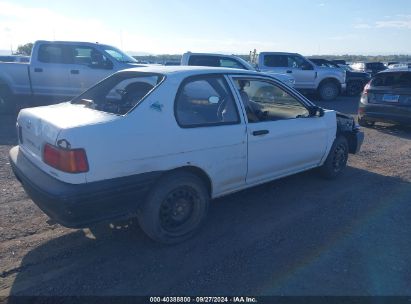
{"x":119,"y":93}
{"x":392,"y":79}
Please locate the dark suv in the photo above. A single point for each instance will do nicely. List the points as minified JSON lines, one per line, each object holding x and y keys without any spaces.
{"x":355,"y":80}
{"x":387,"y":98}
{"x":369,"y":67}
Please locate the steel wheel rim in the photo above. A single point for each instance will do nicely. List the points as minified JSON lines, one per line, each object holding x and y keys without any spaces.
{"x":177,"y":210}
{"x":329,"y":91}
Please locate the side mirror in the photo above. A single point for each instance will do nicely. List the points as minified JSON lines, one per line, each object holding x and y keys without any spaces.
{"x":316,"y":111}
{"x":105,"y":64}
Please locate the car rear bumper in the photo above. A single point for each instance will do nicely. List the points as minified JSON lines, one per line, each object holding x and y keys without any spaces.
{"x":79,"y":205}
{"x":385,"y":113}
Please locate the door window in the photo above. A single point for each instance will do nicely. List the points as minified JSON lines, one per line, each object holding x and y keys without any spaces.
{"x":275,"y":61}
{"x":215,"y":61}
{"x":205,"y":101}
{"x":297,"y":62}
{"x":89,"y":56}
{"x":265,"y":101}
{"x":55,"y":53}
{"x":231,"y":63}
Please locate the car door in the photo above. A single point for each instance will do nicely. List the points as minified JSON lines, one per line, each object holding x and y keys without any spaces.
{"x":212,"y":132}
{"x":50,"y":73}
{"x":302,"y":71}
{"x":283,"y":138}
{"x":90,"y":66}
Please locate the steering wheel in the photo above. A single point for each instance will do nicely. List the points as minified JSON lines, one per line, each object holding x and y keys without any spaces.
{"x":262,"y":115}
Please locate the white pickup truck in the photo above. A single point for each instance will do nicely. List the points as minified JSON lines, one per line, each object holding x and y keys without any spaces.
{"x":59,"y":69}
{"x":326,"y":81}
{"x":229,"y":61}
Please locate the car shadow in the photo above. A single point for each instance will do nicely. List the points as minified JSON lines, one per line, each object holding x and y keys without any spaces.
{"x":300,"y":235}
{"x":392,"y":129}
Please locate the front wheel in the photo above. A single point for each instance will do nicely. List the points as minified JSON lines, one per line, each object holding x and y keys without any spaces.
{"x":175,"y":208}
{"x":336,"y":160}
{"x":328,"y":91}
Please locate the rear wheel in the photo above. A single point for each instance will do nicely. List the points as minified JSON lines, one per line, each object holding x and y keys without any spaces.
{"x":365,"y":123}
{"x":336,"y":160}
{"x":328,"y":91}
{"x":6,"y":100}
{"x":175,"y":208}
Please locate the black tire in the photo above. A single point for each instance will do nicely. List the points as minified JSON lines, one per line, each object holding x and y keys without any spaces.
{"x":175,"y":208}
{"x":328,"y":90}
{"x":6,"y":101}
{"x":336,"y":160}
{"x":365,"y":123}
{"x":354,"y":88}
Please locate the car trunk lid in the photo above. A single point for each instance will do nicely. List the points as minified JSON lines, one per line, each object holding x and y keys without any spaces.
{"x":390,"y":96}
{"x":37,"y":126}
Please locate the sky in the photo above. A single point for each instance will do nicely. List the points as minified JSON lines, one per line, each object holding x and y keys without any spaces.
{"x":226,"y":26}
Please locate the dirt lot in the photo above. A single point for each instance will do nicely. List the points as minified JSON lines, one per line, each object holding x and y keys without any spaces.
{"x":296,"y":236}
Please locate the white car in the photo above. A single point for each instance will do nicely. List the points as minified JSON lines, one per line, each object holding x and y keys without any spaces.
{"x":160,"y":142}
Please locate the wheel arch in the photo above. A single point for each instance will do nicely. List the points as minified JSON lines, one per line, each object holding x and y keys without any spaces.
{"x":197,"y":171}
{"x":330,"y":79}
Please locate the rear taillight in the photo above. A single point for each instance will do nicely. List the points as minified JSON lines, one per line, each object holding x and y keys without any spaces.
{"x":67,"y":160}
{"x":366,"y":88}
{"x":364,"y":95}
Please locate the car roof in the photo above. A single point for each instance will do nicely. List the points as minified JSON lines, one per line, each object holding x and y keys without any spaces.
{"x":190,"y":70}
{"x":75,"y":43}
{"x":278,"y":53}
{"x":210,"y":54}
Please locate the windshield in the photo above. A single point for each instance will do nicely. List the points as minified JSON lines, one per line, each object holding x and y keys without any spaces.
{"x":119,"y":55}
{"x":119,"y":93}
{"x":345,"y":67}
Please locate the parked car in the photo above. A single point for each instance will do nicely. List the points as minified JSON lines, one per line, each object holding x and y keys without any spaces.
{"x":227,"y":61}
{"x":368,"y":67}
{"x":387,"y":98}
{"x":14,"y":58}
{"x":327,"y":82}
{"x":355,"y":80}
{"x":59,"y":69}
{"x":339,"y":61}
{"x":399,"y":65}
{"x":174,"y":138}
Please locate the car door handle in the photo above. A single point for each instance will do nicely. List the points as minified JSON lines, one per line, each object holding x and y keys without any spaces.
{"x":38,"y":70}
{"x":289,"y":71}
{"x":75,"y":72}
{"x":260,"y":132}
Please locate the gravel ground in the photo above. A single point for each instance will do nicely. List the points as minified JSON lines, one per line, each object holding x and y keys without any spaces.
{"x":296,"y":236}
